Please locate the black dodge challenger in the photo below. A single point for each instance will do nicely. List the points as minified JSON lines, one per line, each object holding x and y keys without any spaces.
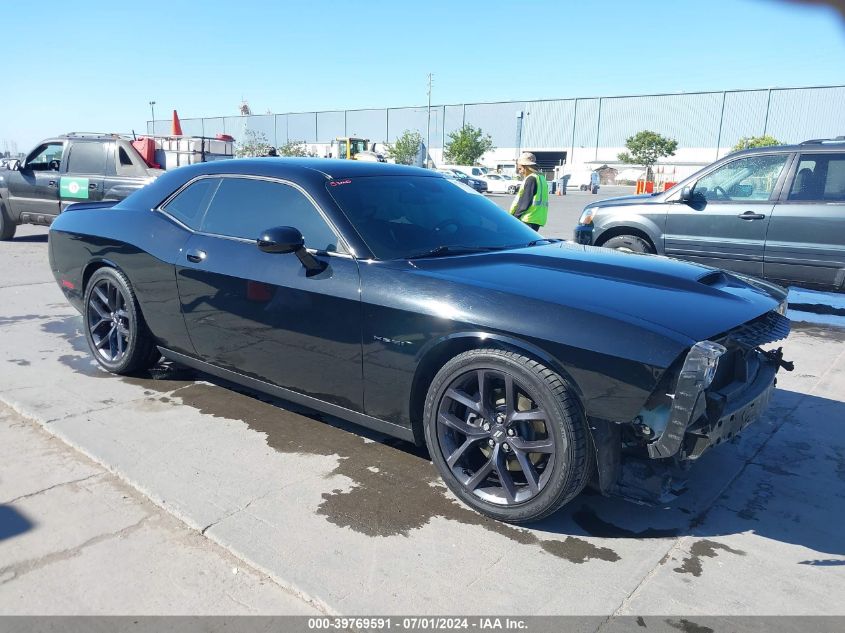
{"x":410,"y":304}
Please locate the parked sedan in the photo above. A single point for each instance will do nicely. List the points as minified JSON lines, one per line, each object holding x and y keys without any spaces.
{"x":774,"y":212}
{"x":497,"y":183}
{"x":390,"y":297}
{"x":476,"y":183}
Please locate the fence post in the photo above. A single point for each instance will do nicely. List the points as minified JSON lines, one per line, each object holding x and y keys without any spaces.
{"x":721,"y":120}
{"x":574,"y":119}
{"x":766,"y":120}
{"x":598,"y":129}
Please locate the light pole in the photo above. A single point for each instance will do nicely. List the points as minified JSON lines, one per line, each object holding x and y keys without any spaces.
{"x":153,"y":114}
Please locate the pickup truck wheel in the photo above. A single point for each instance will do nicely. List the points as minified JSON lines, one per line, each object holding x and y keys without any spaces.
{"x":7,"y":227}
{"x":115,"y":330}
{"x":629,"y":244}
{"x":507,"y":435}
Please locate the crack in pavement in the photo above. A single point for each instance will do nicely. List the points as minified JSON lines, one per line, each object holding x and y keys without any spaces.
{"x":235,"y":511}
{"x":12,"y":572}
{"x":49,"y":488}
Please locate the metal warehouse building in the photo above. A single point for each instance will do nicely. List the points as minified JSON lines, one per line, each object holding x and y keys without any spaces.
{"x":580,"y":131}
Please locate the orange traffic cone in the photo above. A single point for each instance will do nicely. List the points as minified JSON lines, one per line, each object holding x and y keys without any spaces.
{"x":176,"y":126}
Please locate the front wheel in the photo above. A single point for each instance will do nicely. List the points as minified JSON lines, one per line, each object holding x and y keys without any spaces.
{"x":629,"y":244}
{"x":507,"y":435}
{"x":116,"y":332}
{"x":7,"y":227}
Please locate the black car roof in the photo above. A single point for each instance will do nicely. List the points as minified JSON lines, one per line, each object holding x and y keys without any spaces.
{"x":328,"y":168}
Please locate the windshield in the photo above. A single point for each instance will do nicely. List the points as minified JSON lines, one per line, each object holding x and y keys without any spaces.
{"x":403,"y":216}
{"x":357,"y":145}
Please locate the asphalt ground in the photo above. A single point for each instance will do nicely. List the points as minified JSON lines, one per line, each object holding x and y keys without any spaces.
{"x":351,"y":522}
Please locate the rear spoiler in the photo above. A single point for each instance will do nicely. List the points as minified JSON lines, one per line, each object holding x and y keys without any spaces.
{"x":81,"y":206}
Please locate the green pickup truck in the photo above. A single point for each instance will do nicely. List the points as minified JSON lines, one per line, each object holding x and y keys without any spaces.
{"x":67,"y":169}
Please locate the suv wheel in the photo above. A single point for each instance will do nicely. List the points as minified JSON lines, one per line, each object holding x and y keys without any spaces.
{"x":507,"y":435}
{"x":7,"y":227}
{"x":629,"y":244}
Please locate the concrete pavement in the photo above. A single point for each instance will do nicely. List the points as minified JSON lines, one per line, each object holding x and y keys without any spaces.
{"x":74,"y":538}
{"x":351,"y":522}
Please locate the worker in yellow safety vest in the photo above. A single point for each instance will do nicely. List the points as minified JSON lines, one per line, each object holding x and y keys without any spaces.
{"x":531,"y":204}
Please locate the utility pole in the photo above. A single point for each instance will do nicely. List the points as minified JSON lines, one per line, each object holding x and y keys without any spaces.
{"x":153,"y":114}
{"x":428,"y":120}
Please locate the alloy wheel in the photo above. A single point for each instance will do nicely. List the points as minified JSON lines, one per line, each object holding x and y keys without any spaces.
{"x":108,"y":320}
{"x":495,"y":437}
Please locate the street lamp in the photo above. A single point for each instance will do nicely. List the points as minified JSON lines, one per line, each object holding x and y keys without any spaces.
{"x":153,"y":114}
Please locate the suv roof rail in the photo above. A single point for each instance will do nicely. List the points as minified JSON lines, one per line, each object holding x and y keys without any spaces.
{"x":819,"y":141}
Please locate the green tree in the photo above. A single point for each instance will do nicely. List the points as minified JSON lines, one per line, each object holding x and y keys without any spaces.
{"x":294,"y":148}
{"x":466,"y":146}
{"x":406,"y":148}
{"x":749,"y":142}
{"x":253,"y":143}
{"x":646,"y":148}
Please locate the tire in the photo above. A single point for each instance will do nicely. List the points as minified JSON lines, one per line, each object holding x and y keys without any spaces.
{"x":7,"y":227}
{"x":476,"y":453}
{"x":629,"y":244}
{"x":117,"y":335}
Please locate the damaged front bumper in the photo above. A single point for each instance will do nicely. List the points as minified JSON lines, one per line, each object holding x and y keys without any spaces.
{"x":721,"y":388}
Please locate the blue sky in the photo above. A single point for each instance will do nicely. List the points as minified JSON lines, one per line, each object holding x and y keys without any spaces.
{"x":95,"y":65}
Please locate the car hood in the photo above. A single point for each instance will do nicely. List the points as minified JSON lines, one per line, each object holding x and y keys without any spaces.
{"x":668,"y":296}
{"x":622,"y":201}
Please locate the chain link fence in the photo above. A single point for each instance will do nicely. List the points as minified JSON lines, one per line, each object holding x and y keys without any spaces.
{"x":596,"y":125}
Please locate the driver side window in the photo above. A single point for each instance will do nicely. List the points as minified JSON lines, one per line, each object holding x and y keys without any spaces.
{"x":46,"y":157}
{"x":750,"y":179}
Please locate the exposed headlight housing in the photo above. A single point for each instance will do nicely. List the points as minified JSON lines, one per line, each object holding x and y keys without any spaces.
{"x":587,"y":216}
{"x":703,"y":360}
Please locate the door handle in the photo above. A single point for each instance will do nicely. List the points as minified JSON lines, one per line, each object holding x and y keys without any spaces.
{"x":195,"y":255}
{"x":750,"y":215}
{"x":92,"y":186}
{"x":51,"y":183}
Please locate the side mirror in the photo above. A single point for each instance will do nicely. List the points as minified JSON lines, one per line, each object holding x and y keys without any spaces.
{"x":287,"y":239}
{"x":14,"y":165}
{"x":281,"y":239}
{"x":686,"y":195}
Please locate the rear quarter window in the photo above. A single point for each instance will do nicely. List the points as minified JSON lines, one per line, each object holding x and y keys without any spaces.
{"x":190,"y":204}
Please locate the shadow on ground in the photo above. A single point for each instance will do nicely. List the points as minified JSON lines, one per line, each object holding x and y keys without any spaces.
{"x":12,"y":522}
{"x":782,"y":480}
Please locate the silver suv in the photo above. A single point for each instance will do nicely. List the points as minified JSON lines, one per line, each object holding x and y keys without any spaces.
{"x":774,"y":212}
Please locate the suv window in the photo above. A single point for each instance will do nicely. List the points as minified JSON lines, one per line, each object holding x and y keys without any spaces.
{"x":748,"y":179}
{"x":244,"y":207}
{"x":819,"y":178}
{"x":87,"y":158}
{"x":190,"y":205}
{"x":47,"y":157}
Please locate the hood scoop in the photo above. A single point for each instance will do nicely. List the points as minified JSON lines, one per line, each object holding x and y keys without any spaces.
{"x":714,"y":279}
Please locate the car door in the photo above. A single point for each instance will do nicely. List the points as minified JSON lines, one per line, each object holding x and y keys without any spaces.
{"x":34,"y":187}
{"x":806,"y":239}
{"x":724,"y":223}
{"x":84,"y":170}
{"x":260,"y":314}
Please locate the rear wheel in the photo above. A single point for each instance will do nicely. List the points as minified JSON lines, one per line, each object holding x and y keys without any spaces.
{"x":116,"y":332}
{"x":507,"y":435}
{"x":629,"y":244}
{"x":7,"y":227}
